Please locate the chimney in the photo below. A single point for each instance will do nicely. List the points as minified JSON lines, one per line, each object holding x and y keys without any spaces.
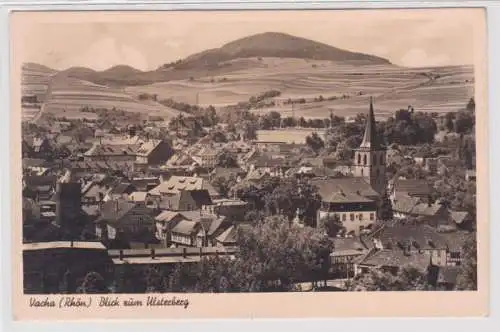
{"x":184,"y":252}
{"x":121,"y":254}
{"x":153,"y":256}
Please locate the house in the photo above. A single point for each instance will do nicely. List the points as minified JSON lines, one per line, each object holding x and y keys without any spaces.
{"x":442,"y":248}
{"x":447,"y":277}
{"x":143,"y":197}
{"x":185,"y":200}
{"x":228,"y":238}
{"x":112,"y":152}
{"x":36,"y":147}
{"x":470,"y":175}
{"x":175,"y":184}
{"x":120,"y":191}
{"x":235,"y":173}
{"x":153,"y":152}
{"x":39,"y":188}
{"x":409,"y":187}
{"x":145,"y":183}
{"x":352,"y":200}
{"x":270,"y":165}
{"x":343,"y":259}
{"x":126,"y":221}
{"x":165,"y":222}
{"x":233,"y":209}
{"x":393,"y":260}
{"x":198,"y":230}
{"x":403,"y":206}
{"x":207,"y":157}
{"x":462,"y":219}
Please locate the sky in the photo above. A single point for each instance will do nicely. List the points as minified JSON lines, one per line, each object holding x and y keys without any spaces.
{"x":146,"y":40}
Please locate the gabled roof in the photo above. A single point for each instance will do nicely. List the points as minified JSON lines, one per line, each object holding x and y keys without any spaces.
{"x":179,"y":183}
{"x":356,"y":188}
{"x":396,"y":258}
{"x":122,"y":188}
{"x":228,"y":236}
{"x":185,"y":227}
{"x":412,"y":187}
{"x":113,"y":211}
{"x":405,"y":204}
{"x":459,"y":216}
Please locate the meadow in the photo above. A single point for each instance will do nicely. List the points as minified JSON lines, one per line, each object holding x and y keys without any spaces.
{"x":426,"y":89}
{"x":345,"y":88}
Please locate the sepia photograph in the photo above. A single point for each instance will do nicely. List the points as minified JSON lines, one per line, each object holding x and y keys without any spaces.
{"x":315,"y":153}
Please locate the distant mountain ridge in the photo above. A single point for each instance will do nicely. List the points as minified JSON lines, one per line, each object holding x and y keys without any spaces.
{"x":215,"y":61}
{"x":278,"y":45}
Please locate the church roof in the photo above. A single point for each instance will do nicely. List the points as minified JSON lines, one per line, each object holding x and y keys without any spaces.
{"x":371,"y":139}
{"x":348,"y":189}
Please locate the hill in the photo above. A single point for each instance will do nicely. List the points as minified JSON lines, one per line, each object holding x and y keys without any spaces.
{"x":223,"y":60}
{"x":276,"y":45}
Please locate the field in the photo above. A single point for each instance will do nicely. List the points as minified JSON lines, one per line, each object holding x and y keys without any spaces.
{"x":426,"y":89}
{"x":345,"y":88}
{"x":287,"y":135}
{"x":67,"y":96}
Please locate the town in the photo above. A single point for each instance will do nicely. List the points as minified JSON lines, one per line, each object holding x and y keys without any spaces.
{"x":230,"y":200}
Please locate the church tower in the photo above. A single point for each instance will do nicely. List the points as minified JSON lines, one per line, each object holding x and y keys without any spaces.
{"x":370,"y":157}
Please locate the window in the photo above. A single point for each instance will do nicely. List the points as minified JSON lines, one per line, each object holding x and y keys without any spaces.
{"x":360,"y":216}
{"x":352,"y":216}
{"x":364,"y":160}
{"x":372,"y":216}
{"x":359,"y":159}
{"x":374,"y":160}
{"x":344,"y":217}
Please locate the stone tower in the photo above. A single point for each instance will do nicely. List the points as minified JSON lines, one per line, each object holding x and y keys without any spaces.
{"x":68,"y":204}
{"x":370,"y":157}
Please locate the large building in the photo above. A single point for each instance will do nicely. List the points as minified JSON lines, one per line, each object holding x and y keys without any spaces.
{"x":355,"y":200}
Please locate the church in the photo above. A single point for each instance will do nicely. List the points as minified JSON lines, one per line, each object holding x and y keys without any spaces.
{"x":356,"y":199}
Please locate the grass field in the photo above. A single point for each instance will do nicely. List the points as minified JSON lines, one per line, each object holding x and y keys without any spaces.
{"x":67,"y":96}
{"x":393,"y":87}
{"x":426,"y":89}
{"x":287,"y":135}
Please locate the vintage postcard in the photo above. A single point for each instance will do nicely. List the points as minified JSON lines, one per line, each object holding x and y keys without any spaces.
{"x":249,"y":164}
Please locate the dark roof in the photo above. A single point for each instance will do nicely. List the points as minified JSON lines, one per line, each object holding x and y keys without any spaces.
{"x":412,"y":187}
{"x":448,"y":274}
{"x":357,"y":188}
{"x":226,"y":173}
{"x":228,"y":236}
{"x":396,"y":258}
{"x":201,"y":197}
{"x":40,"y":180}
{"x":33,"y":162}
{"x":122,"y":188}
{"x":424,"y":236}
{"x":370,"y":138}
{"x":405,"y":204}
{"x":341,"y":243}
{"x":113,"y":211}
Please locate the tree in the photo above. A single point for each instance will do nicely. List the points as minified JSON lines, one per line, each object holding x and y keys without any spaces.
{"x":93,"y":284}
{"x":223,"y":185}
{"x":385,"y":212}
{"x":227,"y":160}
{"x":331,"y":224}
{"x":471,"y":105}
{"x":407,"y":279}
{"x":315,"y":142}
{"x":467,"y":277}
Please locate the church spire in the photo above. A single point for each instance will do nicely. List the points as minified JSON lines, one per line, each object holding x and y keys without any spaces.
{"x":370,"y":139}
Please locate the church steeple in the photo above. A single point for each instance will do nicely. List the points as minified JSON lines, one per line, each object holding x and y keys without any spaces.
{"x":370,"y":158}
{"x":370,"y":139}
